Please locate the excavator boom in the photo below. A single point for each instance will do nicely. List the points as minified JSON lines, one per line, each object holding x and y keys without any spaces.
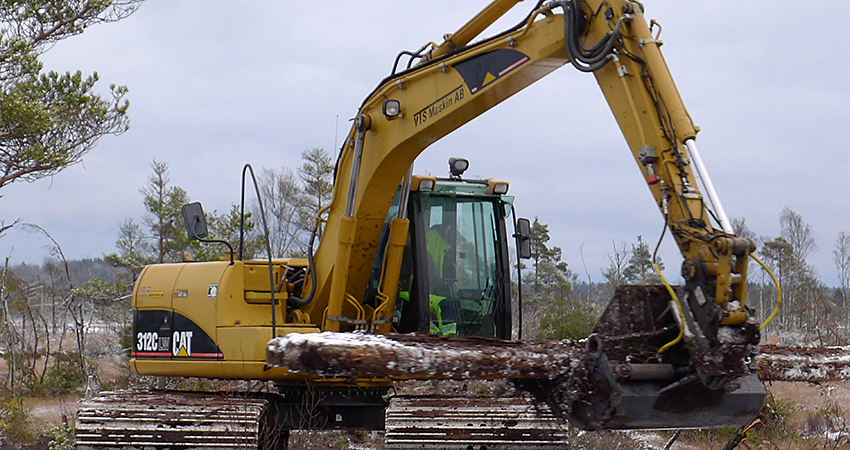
{"x":412,"y":109}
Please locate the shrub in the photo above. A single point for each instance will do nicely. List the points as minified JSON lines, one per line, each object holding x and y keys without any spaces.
{"x":566,"y":320}
{"x":829,"y":417}
{"x":62,"y":437}
{"x":66,"y":374}
{"x":15,"y":425}
{"x":774,"y":415}
{"x":125,"y":340}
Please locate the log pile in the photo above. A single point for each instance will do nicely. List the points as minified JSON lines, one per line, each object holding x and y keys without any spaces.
{"x":423,"y":356}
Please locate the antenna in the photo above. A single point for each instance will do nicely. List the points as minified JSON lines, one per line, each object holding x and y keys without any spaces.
{"x":336,"y":131}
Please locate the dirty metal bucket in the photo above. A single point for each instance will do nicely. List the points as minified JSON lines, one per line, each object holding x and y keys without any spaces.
{"x":631,"y":385}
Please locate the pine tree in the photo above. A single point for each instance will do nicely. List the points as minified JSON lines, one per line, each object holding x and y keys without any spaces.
{"x":551,"y":277}
{"x":163,"y":206}
{"x":639,"y":270}
{"x":316,"y":174}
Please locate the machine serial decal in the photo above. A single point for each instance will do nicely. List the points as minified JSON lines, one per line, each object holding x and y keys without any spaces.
{"x":151,"y":343}
{"x":181,"y":293}
{"x":438,"y":107}
{"x":480,"y":71}
{"x":164,"y":334}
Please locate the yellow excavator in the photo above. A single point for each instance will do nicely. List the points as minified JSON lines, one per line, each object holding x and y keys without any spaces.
{"x":404,"y":253}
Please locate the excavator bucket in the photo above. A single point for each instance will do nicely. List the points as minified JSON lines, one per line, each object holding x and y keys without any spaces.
{"x":629,"y":384}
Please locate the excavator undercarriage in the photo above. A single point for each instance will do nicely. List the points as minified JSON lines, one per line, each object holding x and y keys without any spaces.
{"x":147,"y":419}
{"x":161,"y":419}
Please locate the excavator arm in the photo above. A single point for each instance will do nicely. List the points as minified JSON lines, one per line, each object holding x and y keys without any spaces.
{"x":455,"y":82}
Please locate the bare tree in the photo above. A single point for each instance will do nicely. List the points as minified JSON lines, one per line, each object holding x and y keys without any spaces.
{"x":614,"y":274}
{"x":801,"y":289}
{"x":777,"y":255}
{"x":282,"y":196}
{"x":4,"y":228}
{"x":741,"y":229}
{"x":841,"y":257}
{"x":292,"y":202}
{"x":798,"y":233}
{"x":75,"y":304}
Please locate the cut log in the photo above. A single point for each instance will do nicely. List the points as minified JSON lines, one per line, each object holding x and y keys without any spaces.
{"x":575,"y":380}
{"x":427,"y":357}
{"x":811,"y":364}
{"x":422,"y":356}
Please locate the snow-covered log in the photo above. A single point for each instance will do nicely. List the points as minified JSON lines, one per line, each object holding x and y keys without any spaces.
{"x":423,"y":356}
{"x":417,"y":356}
{"x":813,"y":364}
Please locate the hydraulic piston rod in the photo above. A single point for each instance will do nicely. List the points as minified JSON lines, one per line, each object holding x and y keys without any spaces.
{"x":709,"y":186}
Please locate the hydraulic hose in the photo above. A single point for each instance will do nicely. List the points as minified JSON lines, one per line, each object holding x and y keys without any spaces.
{"x":678,"y":306}
{"x":778,"y":292}
{"x":585,"y":59}
{"x":670,"y":289}
{"x":311,"y":264}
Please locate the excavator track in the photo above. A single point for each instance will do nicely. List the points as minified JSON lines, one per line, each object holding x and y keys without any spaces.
{"x":477,"y":422}
{"x":169,"y":419}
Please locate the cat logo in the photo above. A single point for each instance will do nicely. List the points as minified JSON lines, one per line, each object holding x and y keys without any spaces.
{"x":181,"y":345}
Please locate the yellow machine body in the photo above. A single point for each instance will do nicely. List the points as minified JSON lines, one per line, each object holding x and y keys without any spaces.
{"x":356,"y":278}
{"x":208,"y":320}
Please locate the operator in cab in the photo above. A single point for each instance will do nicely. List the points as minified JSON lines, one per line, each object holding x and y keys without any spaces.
{"x":443,"y":317}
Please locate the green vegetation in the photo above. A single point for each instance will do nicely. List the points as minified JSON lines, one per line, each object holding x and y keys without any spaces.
{"x":51,"y":120}
{"x":63,"y":437}
{"x":775,"y":415}
{"x":565,"y":320}
{"x":15,"y":422}
{"x":65,"y":375}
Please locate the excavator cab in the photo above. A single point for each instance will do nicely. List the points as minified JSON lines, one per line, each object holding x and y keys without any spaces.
{"x":454,"y":277}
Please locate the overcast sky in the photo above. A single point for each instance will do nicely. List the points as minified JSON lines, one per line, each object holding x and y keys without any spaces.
{"x":217,"y":84}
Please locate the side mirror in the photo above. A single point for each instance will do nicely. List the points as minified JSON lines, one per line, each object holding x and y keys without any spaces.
{"x":523,"y":242}
{"x":193,"y":218}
